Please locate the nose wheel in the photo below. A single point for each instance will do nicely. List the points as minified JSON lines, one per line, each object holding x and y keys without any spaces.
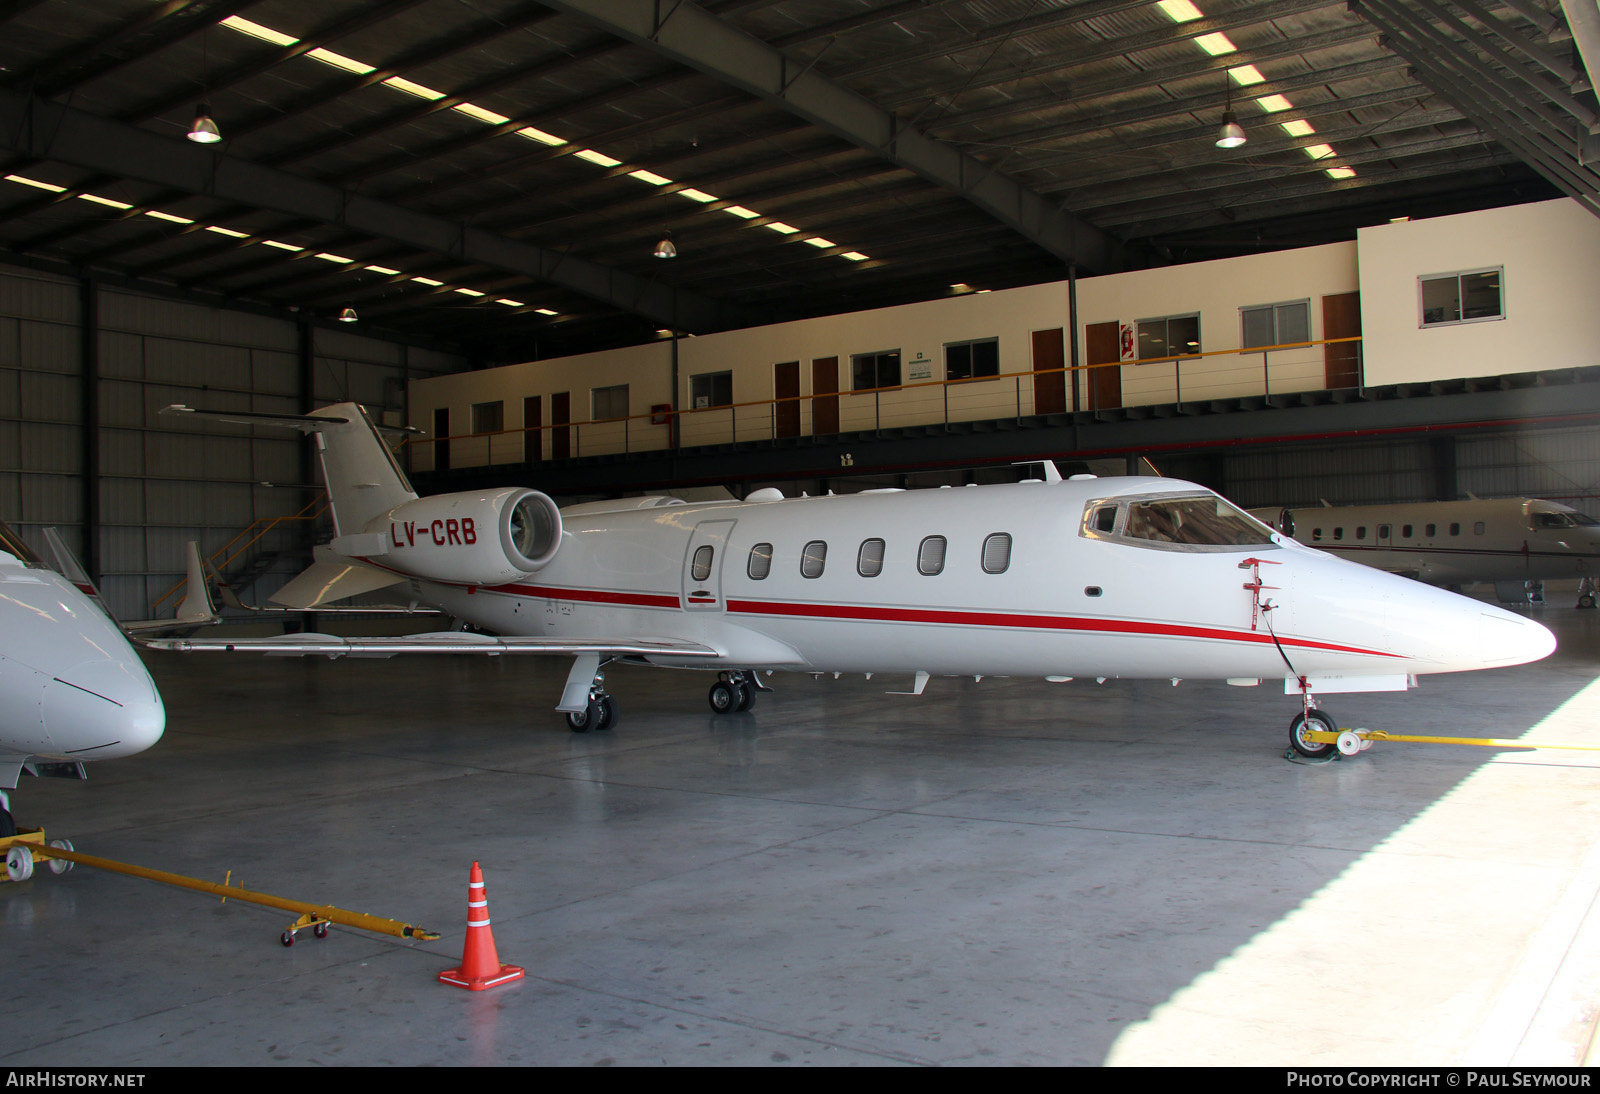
{"x":1307,"y":722}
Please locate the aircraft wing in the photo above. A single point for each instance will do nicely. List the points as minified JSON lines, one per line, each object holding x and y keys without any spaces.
{"x":332,"y":645}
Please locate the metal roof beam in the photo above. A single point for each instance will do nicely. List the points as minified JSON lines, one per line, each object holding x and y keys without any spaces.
{"x":692,"y":36}
{"x":51,"y":131}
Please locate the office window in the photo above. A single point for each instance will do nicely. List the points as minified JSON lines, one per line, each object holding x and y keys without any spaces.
{"x":869,"y":559}
{"x":1470,"y":296}
{"x":997,"y":553}
{"x":609,"y":402}
{"x":711,"y":389}
{"x":881,"y":369}
{"x":1276,"y":324}
{"x":930,"y":556}
{"x":488,"y":417}
{"x":965,"y":360}
{"x":760,"y":564}
{"x":813,"y":558}
{"x":1174,"y":336}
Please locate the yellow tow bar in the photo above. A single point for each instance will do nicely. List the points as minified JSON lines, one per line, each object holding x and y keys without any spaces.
{"x":1344,"y":738}
{"x":29,"y":847}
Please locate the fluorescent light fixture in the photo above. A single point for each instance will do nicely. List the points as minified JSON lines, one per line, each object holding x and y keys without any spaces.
{"x":1341,"y":172}
{"x":546,"y":311}
{"x":539,"y":135}
{"x":281,"y":246}
{"x":480,"y":113}
{"x":175,"y":218}
{"x":386,"y":271}
{"x":597,"y":157}
{"x":781,"y":228}
{"x":1297,"y":128}
{"x":427,"y":281}
{"x":508,"y":303}
{"x":648,"y":176}
{"x":105,"y":201}
{"x":1246,"y":75}
{"x":229,"y":232}
{"x":697,"y":195}
{"x":1180,"y":11}
{"x":339,"y":60}
{"x":741,"y":212}
{"x":820,"y":243}
{"x":1272,"y":104}
{"x":400,"y":83}
{"x":854,"y":256}
{"x":326,"y":257}
{"x":256,"y":30}
{"x":1319,"y":151}
{"x":1216,"y":44}
{"x":36,"y":184}
{"x":471,"y":292}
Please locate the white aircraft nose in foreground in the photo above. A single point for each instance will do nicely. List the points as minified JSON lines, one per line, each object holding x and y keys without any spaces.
{"x":71,"y":687}
{"x":1124,"y":577}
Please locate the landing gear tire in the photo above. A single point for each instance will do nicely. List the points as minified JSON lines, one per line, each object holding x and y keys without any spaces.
{"x":582,"y":721}
{"x":1586,"y":600}
{"x":1307,"y":722}
{"x":726,"y":697}
{"x":608,"y":713}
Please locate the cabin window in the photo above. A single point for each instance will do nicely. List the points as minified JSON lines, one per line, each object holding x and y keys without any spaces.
{"x":930,"y":556}
{"x":1468,"y":296}
{"x":1205,"y":521}
{"x":1405,"y":531}
{"x":869,"y":559}
{"x":1338,"y":533}
{"x":1431,"y":530}
{"x":870,"y":370}
{"x":813,"y":558}
{"x":1383,"y":531}
{"x":966,"y":360}
{"x":1478,"y":529}
{"x":1276,"y":324}
{"x":488,"y":417}
{"x":1455,"y":528}
{"x":1316,"y":534}
{"x":1361,"y":532}
{"x":997,"y":553}
{"x":700,"y":566}
{"x":760,"y":564}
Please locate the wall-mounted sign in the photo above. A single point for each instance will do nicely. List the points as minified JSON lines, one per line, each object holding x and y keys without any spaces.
{"x":919,"y":368}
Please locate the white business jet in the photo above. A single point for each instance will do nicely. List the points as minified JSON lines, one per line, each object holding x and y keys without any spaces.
{"x":1508,"y":541}
{"x":1128,"y":577}
{"x":71,"y":687}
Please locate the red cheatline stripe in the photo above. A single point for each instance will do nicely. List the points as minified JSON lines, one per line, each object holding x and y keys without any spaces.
{"x":1026,"y":622}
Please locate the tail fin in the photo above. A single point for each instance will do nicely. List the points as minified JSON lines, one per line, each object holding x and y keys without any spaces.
{"x":358,"y":468}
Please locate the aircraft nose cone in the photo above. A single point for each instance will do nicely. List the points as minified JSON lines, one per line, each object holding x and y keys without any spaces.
{"x":1505,"y":638}
{"x":100,"y":710}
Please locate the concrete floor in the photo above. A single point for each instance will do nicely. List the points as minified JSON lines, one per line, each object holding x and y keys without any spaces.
{"x":1006,"y":872}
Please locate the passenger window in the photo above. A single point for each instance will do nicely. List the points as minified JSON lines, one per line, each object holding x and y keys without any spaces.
{"x":1361,"y":532}
{"x":760,"y":564}
{"x":930,"y":556}
{"x":869,"y":560}
{"x":700,"y":568}
{"x":1338,"y":533}
{"x":997,"y":553}
{"x":1383,"y":531}
{"x":1405,"y":531}
{"x":813,"y":558}
{"x":1477,"y":529}
{"x":1316,"y":534}
{"x":1455,"y":528}
{"x":1431,"y":530}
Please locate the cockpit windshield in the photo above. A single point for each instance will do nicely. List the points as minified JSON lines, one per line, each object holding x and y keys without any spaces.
{"x":1183,"y":521}
{"x":1568,"y":519}
{"x":12,"y":544}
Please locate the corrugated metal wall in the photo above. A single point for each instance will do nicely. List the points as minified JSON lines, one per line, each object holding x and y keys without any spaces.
{"x":164,"y":481}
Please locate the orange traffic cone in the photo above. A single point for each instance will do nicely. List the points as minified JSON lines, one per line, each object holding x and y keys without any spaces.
{"x":480,"y":964}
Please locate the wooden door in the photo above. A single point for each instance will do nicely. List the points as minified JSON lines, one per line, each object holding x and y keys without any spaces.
{"x":560,"y":435}
{"x":441,"y":446}
{"x":532,"y":420}
{"x":1049,"y":387}
{"x":824,"y":396}
{"x":1341,"y":318}
{"x":1101,"y":344}
{"x":786,"y":389}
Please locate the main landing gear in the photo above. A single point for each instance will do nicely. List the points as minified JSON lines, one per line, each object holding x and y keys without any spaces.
{"x":599,"y":713}
{"x":734,"y":691}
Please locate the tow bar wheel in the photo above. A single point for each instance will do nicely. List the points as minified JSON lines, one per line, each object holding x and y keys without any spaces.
{"x":1309,"y":722}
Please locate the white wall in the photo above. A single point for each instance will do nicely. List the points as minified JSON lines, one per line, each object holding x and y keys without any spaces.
{"x":1551,"y":254}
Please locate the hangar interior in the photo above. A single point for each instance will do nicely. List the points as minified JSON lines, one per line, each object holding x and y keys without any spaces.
{"x":1001,"y":871}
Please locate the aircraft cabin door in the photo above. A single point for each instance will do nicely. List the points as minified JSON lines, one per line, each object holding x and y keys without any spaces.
{"x":702,"y":566}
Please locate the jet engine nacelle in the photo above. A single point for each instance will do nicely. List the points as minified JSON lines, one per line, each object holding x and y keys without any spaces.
{"x":469,"y":538}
